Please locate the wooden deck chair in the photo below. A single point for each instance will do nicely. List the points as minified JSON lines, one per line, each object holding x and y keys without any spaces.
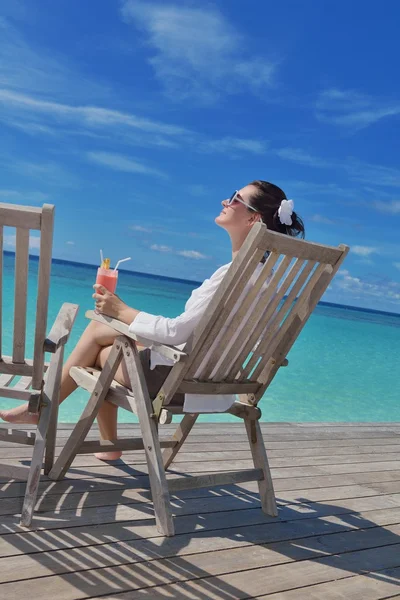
{"x":237,"y":348}
{"x":34,"y":381}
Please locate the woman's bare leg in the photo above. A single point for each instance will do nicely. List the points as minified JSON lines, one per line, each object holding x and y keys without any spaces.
{"x":108,"y":413}
{"x":95,"y":337}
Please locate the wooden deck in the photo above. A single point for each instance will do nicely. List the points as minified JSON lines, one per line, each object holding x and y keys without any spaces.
{"x":337,"y":534}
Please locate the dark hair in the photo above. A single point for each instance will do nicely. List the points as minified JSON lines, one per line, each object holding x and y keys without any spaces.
{"x":266,"y":200}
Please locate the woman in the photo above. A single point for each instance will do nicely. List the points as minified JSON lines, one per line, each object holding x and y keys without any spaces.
{"x":258,"y":201}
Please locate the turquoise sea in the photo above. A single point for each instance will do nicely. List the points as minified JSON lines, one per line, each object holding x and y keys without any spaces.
{"x":344,"y":366}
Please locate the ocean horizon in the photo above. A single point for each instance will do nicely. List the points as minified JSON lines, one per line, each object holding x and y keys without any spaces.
{"x":197,"y":283}
{"x":343,"y":367}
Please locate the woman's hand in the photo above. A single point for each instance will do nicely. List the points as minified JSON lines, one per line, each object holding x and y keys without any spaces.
{"x":111,"y":305}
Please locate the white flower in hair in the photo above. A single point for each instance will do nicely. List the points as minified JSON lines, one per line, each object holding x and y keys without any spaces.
{"x":285,"y":212}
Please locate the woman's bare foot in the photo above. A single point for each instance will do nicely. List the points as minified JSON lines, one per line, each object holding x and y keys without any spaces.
{"x":19,"y":414}
{"x":108,"y":455}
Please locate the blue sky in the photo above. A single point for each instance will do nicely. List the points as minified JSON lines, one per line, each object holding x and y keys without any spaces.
{"x":136,"y":118}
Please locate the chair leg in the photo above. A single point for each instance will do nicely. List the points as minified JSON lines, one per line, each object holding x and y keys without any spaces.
{"x":50,"y":398}
{"x":36,"y":467}
{"x":144,"y":409}
{"x":53,"y":396}
{"x":89,"y":414}
{"x":260,"y":460}
{"x":179,"y":436}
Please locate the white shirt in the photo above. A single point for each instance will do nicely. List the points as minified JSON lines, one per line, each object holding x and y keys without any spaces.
{"x":177,"y":330}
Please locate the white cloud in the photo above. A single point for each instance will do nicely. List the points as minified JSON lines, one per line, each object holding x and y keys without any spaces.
{"x":191,"y":254}
{"x":36,"y":116}
{"x":361,"y":288}
{"x":117,"y":162}
{"x":372,"y":174}
{"x":70,"y":243}
{"x":321,"y":219}
{"x":140,"y":228}
{"x":159,"y":248}
{"x":89,"y":116}
{"x":397,"y":265}
{"x":353,"y":109}
{"x":392,"y":208}
{"x":185,"y":253}
{"x":198,"y":54}
{"x":49,"y":172}
{"x":364,"y":250}
{"x":21,"y":197}
{"x":300,"y":156}
{"x":26,"y":68}
{"x":231,"y":145}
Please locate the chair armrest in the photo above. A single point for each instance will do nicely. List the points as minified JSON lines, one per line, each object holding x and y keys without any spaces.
{"x":59,"y":333}
{"x":170,"y":352}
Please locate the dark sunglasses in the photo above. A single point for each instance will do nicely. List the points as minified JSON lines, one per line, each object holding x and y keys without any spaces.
{"x":236,"y":198}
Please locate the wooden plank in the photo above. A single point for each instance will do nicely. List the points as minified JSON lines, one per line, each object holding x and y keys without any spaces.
{"x":243,"y":584}
{"x":240,"y":572}
{"x":222,"y":466}
{"x":7,"y":366}
{"x":24,"y":217}
{"x":124,"y":445}
{"x":242,"y":504}
{"x":136,"y":552}
{"x":46,"y":245}
{"x":20,"y":437}
{"x":284,"y":244}
{"x":15,"y":393}
{"x":252,"y":523}
{"x":21,"y":291}
{"x":380,"y":585}
{"x":197,"y":452}
{"x":212,"y":480}
{"x":213,"y":387}
{"x":137,"y":457}
{"x":102,"y":495}
{"x":23,"y":384}
{"x":5,"y":380}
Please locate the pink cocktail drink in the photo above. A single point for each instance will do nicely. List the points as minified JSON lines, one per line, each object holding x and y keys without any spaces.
{"x":107,"y":278}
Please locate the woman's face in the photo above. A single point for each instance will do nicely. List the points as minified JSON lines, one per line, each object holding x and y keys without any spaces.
{"x":236,"y":217}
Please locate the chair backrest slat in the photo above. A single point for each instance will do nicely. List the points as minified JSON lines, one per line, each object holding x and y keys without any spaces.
{"x":21,"y":294}
{"x":46,"y":244}
{"x":282,"y":324}
{"x":276,"y":319}
{"x":257,"y":321}
{"x":23,"y":219}
{"x":261,"y":323}
{"x":291,"y":331}
{"x":224,"y":347}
